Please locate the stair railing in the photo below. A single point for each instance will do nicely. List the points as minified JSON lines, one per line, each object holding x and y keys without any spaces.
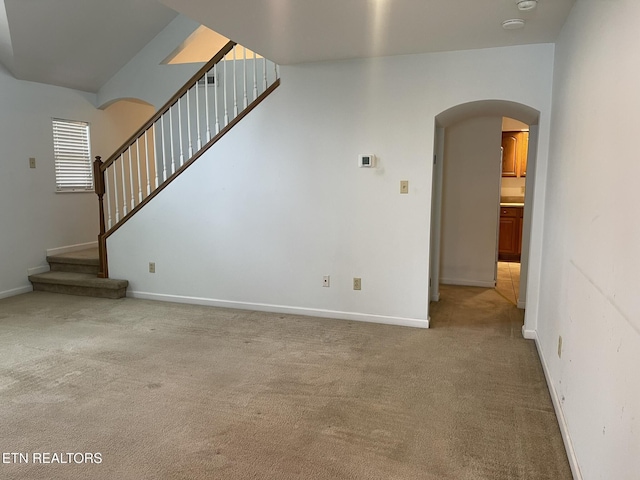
{"x":216,"y":98}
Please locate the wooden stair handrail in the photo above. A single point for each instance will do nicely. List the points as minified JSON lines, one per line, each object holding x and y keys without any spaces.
{"x":165,"y":108}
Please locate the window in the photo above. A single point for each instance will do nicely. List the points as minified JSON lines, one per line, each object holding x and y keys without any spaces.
{"x":72,"y":153}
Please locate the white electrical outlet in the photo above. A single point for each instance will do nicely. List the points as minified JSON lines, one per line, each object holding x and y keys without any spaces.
{"x":152,"y":267}
{"x":326,"y":281}
{"x":32,"y":162}
{"x":357,"y":283}
{"x":404,"y":186}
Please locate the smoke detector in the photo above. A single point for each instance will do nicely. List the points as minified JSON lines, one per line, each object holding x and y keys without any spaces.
{"x":525,"y":5}
{"x":513,"y":24}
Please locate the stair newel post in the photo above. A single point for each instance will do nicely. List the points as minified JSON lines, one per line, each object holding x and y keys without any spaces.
{"x":98,"y":181}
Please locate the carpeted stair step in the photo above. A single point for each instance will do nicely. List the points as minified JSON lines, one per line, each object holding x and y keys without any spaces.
{"x":74,"y":283}
{"x":84,"y":261}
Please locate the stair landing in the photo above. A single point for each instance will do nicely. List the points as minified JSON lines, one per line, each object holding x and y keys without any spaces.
{"x":76,"y":273}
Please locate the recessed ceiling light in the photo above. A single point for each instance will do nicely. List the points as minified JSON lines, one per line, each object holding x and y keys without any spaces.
{"x":525,"y":5}
{"x":513,"y":24}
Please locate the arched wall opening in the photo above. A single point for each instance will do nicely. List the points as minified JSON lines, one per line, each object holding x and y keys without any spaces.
{"x":125,"y":101}
{"x":124,"y":116}
{"x":468,"y":113}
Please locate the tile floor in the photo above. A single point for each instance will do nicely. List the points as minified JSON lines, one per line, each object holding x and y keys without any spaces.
{"x":508,"y":283}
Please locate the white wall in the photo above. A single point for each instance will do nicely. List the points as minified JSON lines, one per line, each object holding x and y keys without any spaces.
{"x":280,"y":201}
{"x":145,"y":77}
{"x":33,"y":217}
{"x":590,"y":268}
{"x":471,"y":194}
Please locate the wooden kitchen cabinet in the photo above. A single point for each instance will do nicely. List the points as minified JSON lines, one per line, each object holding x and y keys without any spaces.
{"x":510,"y":236}
{"x":523,"y":154}
{"x":514,"y":154}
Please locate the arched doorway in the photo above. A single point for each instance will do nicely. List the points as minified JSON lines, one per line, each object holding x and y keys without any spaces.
{"x":468,"y":112}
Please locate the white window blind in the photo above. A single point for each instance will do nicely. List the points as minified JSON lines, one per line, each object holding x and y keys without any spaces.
{"x":72,"y":152}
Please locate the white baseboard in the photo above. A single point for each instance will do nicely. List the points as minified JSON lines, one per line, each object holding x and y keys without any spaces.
{"x":263,"y":307}
{"x":521,"y":304}
{"x":468,"y":283}
{"x":16,"y":291}
{"x":36,"y":270}
{"x":71,"y":248}
{"x":557,"y":406}
{"x":435,"y":297}
{"x":529,"y":334}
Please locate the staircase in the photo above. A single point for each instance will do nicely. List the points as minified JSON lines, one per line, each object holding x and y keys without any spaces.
{"x":210,"y":104}
{"x":76,"y":273}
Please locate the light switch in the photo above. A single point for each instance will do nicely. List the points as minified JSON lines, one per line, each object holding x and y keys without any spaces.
{"x":32,"y":162}
{"x":404,"y":186}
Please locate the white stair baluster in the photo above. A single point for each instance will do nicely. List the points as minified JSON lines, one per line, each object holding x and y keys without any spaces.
{"x":124,"y":190}
{"x":180,"y":131}
{"x":224,"y":73}
{"x":244,"y":75}
{"x":206,"y":103}
{"x":115,"y":190}
{"x":173,"y":156}
{"x":190,"y":151}
{"x":139,"y":175}
{"x":146,"y":158}
{"x":216,"y":84}
{"x":199,"y":139}
{"x":264,"y":71}
{"x":164,"y":155}
{"x":131,"y":188}
{"x":235,"y":85}
{"x":255,"y":76}
{"x":154,"y":156}
{"x":107,"y":189}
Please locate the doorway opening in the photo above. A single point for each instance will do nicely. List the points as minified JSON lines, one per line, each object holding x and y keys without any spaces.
{"x":462,"y":226}
{"x":513,"y":173}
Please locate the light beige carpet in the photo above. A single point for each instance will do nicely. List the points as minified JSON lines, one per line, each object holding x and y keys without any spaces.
{"x":166,"y":391}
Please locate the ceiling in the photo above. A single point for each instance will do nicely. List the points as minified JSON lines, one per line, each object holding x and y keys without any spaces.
{"x":82,"y":43}
{"x":76,"y":43}
{"x":296,"y":31}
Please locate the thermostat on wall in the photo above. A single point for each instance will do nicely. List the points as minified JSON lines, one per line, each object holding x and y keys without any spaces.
{"x":367,"y":161}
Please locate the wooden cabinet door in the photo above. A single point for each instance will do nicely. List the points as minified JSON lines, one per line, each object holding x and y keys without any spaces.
{"x":510,"y":234}
{"x":515,"y":146}
{"x":507,"y":242}
{"x":524,"y":153}
{"x":509,"y":154}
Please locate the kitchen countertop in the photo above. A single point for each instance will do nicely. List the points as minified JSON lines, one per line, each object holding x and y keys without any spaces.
{"x":509,"y":204}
